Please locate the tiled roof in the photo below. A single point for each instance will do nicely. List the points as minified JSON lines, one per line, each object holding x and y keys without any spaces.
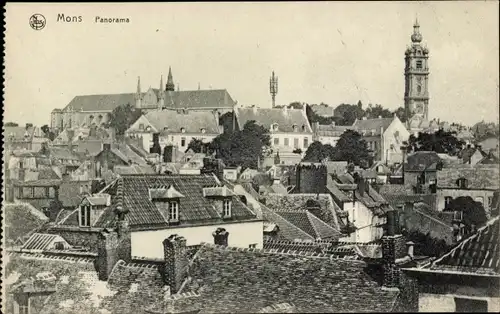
{"x":20,"y":221}
{"x":331,"y":130}
{"x":370,"y":125}
{"x":401,"y":199}
{"x":199,"y":99}
{"x":479,"y":253}
{"x":132,"y":192}
{"x":191,"y":121}
{"x":18,"y":132}
{"x":235,"y":281}
{"x":478,"y":177}
{"x":105,"y":102}
{"x":69,"y":193}
{"x":287,"y":230}
{"x":387,"y":189}
{"x":126,"y":154}
{"x":422,"y":160}
{"x":335,"y":167}
{"x":322,"y":110}
{"x":133,"y":169}
{"x":327,"y":210}
{"x":41,"y":241}
{"x":311,"y":224}
{"x":268,"y":116}
{"x":62,"y":153}
{"x":222,"y":280}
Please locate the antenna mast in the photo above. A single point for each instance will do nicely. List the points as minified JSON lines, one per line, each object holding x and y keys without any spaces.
{"x":273,"y":87}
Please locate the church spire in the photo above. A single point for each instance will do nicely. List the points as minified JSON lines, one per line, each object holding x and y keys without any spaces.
{"x":161,"y":95}
{"x":138,"y":94}
{"x":170,"y":81}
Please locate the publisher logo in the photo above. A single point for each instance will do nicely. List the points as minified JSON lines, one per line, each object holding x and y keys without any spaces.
{"x":37,"y":21}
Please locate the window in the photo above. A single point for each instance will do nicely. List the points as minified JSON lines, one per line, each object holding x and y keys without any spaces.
{"x":447,"y":200}
{"x":295,"y":128}
{"x":490,"y":201}
{"x":253,"y":246}
{"x":306,"y":142}
{"x":470,"y":305}
{"x":295,"y":143}
{"x":276,"y":141}
{"x":85,"y":216}
{"x":286,"y":142}
{"x":23,"y":303}
{"x":458,"y":215}
{"x":303,"y":128}
{"x":419,"y":64}
{"x":203,"y":131}
{"x":183,"y":130}
{"x":173,"y":211}
{"x":462,"y":183}
{"x":141,"y":126}
{"x":227,"y":208}
{"x":183,"y":141}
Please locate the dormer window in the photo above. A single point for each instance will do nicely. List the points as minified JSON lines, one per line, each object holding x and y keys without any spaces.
{"x":183,"y":130}
{"x":295,"y":128}
{"x":148,"y":128}
{"x":203,"y":131}
{"x":373,"y":131}
{"x":165,"y":129}
{"x":173,"y":211}
{"x":462,"y":183}
{"x":141,"y":126}
{"x":274,"y":127}
{"x":303,"y":128}
{"x":226,"y":206}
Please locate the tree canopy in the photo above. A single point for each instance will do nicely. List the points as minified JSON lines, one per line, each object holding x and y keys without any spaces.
{"x":440,"y":142}
{"x":473,"y":212}
{"x":122,"y":117}
{"x":48,"y":133}
{"x":242,"y":147}
{"x":376,"y":111}
{"x":483,"y":130}
{"x":351,"y":147}
{"x":197,"y":146}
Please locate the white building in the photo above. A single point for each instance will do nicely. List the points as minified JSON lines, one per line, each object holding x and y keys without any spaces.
{"x":175,"y":127}
{"x":289,"y":128}
{"x":328,"y":134}
{"x":384,"y":137}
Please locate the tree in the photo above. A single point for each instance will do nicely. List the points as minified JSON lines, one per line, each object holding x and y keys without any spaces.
{"x":11,"y":124}
{"x":317,"y":152}
{"x":48,"y":133}
{"x":296,"y":105}
{"x":313,"y":117}
{"x":351,"y":147}
{"x":242,"y":148}
{"x":473,"y":212}
{"x":483,"y":130}
{"x":346,"y":114}
{"x":122,"y":117}
{"x":401,"y":114}
{"x":440,"y":142}
{"x":197,"y":146}
{"x":378,"y":111}
{"x":426,"y":245}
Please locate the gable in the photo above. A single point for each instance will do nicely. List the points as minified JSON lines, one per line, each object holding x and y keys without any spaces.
{"x":141,"y":122}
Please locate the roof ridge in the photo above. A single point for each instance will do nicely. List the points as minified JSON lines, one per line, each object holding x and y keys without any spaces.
{"x":60,"y":258}
{"x":296,"y":253}
{"x":315,"y":220}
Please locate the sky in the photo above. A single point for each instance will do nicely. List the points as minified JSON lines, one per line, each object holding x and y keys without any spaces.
{"x":331,"y":52}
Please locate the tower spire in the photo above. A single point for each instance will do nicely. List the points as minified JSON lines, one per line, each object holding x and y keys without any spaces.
{"x":138,"y":94}
{"x":161,"y":95}
{"x":170,"y":81}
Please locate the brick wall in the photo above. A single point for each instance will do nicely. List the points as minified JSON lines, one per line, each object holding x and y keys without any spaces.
{"x":176,"y":262}
{"x":311,"y":179}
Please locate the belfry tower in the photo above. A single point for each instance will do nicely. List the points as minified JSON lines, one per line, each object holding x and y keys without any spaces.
{"x":416,"y":81}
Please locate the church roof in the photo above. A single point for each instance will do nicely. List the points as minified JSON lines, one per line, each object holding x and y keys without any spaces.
{"x":200,"y":99}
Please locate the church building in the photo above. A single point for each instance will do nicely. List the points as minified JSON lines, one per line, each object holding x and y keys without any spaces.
{"x":95,"y":110}
{"x":416,"y":97}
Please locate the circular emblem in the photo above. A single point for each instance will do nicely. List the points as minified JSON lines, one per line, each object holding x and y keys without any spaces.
{"x":37,"y":21}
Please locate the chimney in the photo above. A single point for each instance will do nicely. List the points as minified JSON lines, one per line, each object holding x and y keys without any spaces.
{"x":107,"y":255}
{"x":316,"y":126}
{"x":410,"y":245}
{"x":393,"y":250}
{"x":176,"y":262}
{"x":220,"y":236}
{"x":254,"y":109}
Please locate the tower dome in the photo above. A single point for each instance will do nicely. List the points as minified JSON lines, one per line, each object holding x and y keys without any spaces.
{"x":416,"y":37}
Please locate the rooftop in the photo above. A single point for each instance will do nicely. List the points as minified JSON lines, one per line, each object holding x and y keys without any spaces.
{"x":478,"y":177}
{"x":285,"y":119}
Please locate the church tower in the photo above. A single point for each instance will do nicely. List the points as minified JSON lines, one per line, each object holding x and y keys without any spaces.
{"x":161,"y":95}
{"x":138,"y":94}
{"x":416,"y":80}
{"x":170,"y":81}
